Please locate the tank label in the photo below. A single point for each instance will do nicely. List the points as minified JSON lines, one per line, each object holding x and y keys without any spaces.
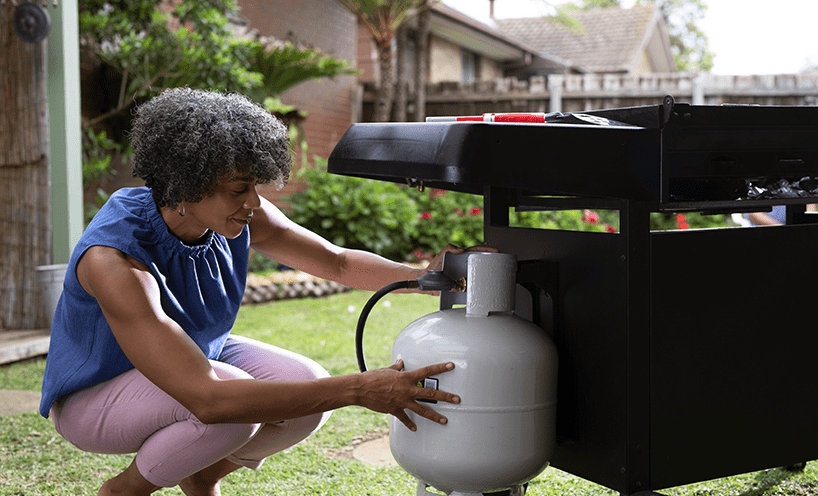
{"x":428,"y":383}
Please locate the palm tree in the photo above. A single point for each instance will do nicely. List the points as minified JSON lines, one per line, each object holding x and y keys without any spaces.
{"x":382,"y":18}
{"x":421,"y":58}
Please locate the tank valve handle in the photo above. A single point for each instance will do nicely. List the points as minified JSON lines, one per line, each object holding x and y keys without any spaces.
{"x":432,"y":280}
{"x":436,"y":280}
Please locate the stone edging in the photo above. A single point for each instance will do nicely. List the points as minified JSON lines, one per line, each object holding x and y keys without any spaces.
{"x":262,"y":290}
{"x":291,"y":284}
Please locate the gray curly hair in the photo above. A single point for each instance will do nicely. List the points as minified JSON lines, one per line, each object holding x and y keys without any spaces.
{"x":186,"y":141}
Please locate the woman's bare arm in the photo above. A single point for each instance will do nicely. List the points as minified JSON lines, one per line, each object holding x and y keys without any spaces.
{"x":279,"y":238}
{"x":129,"y":297}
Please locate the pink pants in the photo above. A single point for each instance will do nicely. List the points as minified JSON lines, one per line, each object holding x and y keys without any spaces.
{"x":129,"y":414}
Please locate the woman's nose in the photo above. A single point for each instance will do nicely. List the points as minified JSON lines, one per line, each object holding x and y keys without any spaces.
{"x":253,"y":201}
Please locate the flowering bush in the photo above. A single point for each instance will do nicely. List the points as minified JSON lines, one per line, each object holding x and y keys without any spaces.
{"x":356,"y":213}
{"x":694,"y":220}
{"x":446,"y":217}
{"x":568,"y":220}
{"x":399,"y":222}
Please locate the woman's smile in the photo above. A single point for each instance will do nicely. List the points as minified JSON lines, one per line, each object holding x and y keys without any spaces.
{"x":244,"y":220}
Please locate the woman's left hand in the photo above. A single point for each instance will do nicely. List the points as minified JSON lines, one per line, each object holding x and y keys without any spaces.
{"x":437,"y":262}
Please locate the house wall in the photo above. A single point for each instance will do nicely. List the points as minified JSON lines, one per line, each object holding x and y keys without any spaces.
{"x":644,"y":66}
{"x":326,"y":25}
{"x":445,"y":61}
{"x":490,"y":69}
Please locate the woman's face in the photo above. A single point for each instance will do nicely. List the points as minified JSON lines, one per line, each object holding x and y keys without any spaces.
{"x":225,"y":212}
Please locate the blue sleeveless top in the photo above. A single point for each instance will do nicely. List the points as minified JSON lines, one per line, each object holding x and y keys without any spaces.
{"x":201,"y":290}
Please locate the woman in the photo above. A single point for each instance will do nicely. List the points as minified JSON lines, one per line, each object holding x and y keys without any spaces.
{"x":141,"y":359}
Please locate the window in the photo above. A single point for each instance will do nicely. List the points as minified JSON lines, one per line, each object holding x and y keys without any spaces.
{"x":468,"y":71}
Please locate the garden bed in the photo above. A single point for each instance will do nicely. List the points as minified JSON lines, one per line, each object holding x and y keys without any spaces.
{"x":287,"y":285}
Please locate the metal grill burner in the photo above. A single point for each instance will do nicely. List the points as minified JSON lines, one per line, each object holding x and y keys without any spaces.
{"x":684,"y":355}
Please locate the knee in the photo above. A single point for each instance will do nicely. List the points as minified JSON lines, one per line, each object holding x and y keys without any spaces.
{"x":212,"y":409}
{"x":303,"y":427}
{"x":310,"y":369}
{"x":268,"y":362}
{"x":235,"y":435}
{"x":226,"y":371}
{"x":297,"y":367}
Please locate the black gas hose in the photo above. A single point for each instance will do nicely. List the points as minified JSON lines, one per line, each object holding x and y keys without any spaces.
{"x":433,"y":280}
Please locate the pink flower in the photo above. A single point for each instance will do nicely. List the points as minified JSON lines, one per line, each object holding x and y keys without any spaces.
{"x":610,"y":228}
{"x":590,"y":217}
{"x":459,"y":212}
{"x":426,"y":216}
{"x":475,"y":211}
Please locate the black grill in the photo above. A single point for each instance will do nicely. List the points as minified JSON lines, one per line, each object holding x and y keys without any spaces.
{"x":684,"y":355}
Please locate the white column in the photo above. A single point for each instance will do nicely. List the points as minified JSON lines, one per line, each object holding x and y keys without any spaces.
{"x":555,"y":88}
{"x":65,"y":133}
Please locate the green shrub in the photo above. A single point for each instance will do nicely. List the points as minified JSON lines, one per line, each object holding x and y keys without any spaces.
{"x":690,"y":220}
{"x":399,"y":222}
{"x":457,"y":218}
{"x":446,"y":217}
{"x":356,"y":213}
{"x":259,"y":264}
{"x":568,"y":220}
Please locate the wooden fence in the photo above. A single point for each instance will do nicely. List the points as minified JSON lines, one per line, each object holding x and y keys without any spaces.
{"x":573,"y":93}
{"x":25,"y":211}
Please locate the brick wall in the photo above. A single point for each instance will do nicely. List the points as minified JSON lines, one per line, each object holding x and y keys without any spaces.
{"x":326,"y":25}
{"x":367,"y":57}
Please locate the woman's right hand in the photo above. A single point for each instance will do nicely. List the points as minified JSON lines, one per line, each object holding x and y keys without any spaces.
{"x":392,"y":391}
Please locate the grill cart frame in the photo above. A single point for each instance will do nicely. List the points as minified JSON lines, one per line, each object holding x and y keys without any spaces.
{"x":684,"y":355}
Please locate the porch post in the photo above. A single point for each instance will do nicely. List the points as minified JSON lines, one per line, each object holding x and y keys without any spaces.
{"x":65,"y":134}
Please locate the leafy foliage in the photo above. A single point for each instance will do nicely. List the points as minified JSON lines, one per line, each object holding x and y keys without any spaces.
{"x":96,"y":154}
{"x":141,"y":47}
{"x":97,"y":151}
{"x":688,"y":42}
{"x":192,"y":44}
{"x":355,"y":213}
{"x":283,"y":65}
{"x":151,"y":50}
{"x":446,"y":217}
{"x":382,"y":17}
{"x":399,"y":222}
{"x":696,"y":220}
{"x":390,"y":219}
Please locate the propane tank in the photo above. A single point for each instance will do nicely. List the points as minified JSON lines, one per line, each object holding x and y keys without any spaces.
{"x":502,"y":433}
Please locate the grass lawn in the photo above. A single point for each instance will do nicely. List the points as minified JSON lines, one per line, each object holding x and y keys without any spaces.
{"x":35,"y":460}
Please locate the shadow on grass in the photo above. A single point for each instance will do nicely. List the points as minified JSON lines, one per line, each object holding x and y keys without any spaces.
{"x":767,"y":480}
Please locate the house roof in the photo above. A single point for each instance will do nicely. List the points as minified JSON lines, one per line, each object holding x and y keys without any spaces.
{"x":612,"y":39}
{"x":486,"y":40}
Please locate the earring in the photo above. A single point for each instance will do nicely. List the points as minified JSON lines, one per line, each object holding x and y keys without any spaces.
{"x":182,"y":209}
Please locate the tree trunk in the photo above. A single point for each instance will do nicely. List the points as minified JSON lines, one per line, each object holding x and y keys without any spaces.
{"x":386,"y":88}
{"x":25,"y":208}
{"x":402,"y":38}
{"x":421,"y":55}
